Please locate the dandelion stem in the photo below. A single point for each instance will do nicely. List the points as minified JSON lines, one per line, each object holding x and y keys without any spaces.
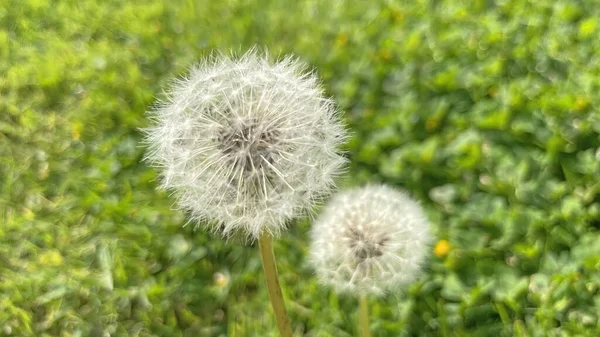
{"x":270,"y":269}
{"x":363,"y":317}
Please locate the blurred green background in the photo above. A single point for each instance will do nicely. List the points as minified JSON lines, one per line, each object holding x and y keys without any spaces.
{"x":487,"y":111}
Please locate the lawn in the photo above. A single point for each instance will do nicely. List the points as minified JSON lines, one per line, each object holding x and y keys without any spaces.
{"x":486,"y":111}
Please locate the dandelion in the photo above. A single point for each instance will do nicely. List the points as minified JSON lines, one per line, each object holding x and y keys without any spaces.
{"x":246,"y":145}
{"x":369,"y":241}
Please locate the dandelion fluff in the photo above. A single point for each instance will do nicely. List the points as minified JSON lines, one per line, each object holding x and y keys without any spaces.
{"x":246,"y":144}
{"x":369,"y":240}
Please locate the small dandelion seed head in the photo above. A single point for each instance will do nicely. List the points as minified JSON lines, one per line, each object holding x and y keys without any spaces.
{"x":369,"y":240}
{"x":246,"y":144}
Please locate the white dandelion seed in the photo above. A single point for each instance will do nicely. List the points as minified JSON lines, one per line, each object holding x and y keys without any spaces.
{"x":369,"y":240}
{"x":246,"y":144}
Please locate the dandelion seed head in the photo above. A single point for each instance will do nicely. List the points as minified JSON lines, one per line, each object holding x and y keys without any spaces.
{"x":246,"y":144}
{"x":369,"y":240}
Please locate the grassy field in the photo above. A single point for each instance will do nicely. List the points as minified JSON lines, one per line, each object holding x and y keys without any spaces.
{"x":488,"y":112}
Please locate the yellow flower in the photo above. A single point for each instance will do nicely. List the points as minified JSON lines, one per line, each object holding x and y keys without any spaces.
{"x":442,"y":248}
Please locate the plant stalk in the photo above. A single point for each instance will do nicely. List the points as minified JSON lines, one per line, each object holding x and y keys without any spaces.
{"x":363,"y":316}
{"x":270,"y":268}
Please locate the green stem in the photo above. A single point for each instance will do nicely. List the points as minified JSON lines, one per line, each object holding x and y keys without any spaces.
{"x":363,"y":316}
{"x":270,"y":269}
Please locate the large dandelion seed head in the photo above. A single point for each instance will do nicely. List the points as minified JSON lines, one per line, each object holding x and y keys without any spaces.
{"x":369,"y":240}
{"x":246,"y":144}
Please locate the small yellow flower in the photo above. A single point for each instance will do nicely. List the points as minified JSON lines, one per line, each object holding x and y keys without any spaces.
{"x":442,"y":248}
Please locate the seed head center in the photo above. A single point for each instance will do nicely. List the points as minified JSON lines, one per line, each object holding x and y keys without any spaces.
{"x":363,"y":246}
{"x":249,"y":145}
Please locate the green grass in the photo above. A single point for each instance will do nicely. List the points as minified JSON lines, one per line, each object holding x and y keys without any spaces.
{"x":488,"y":113}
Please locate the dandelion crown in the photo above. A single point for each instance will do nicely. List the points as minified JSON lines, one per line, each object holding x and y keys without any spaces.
{"x":369,"y":240}
{"x":245,"y":143}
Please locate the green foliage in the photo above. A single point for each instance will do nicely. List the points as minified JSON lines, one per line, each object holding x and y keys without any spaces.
{"x":487,"y":112}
